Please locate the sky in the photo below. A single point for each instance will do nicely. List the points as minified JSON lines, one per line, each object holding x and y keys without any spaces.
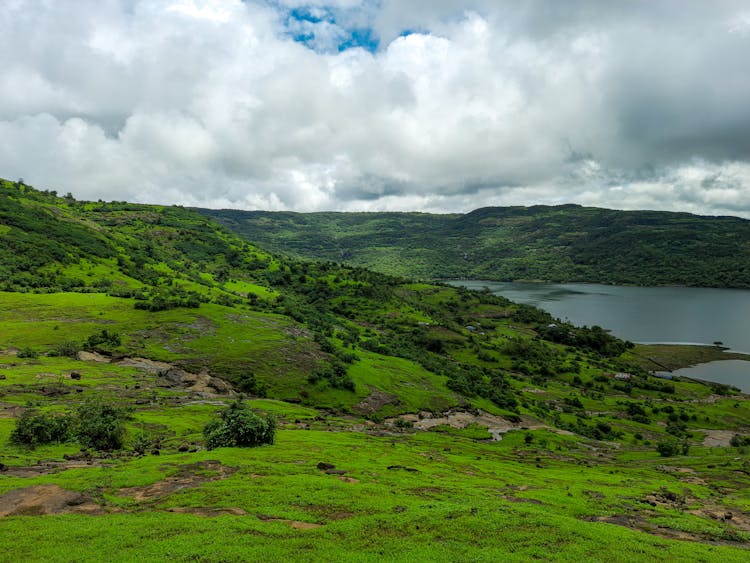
{"x":371,"y":105}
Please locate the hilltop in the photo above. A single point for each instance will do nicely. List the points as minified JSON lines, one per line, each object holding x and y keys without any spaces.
{"x":416,"y":421}
{"x":566,"y":243}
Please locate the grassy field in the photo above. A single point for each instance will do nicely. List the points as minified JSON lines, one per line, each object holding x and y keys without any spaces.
{"x":396,"y":494}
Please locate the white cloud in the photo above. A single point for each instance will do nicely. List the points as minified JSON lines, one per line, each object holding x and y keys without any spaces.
{"x":211,"y":102}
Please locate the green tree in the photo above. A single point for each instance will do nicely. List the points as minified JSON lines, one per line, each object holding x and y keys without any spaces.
{"x":238,"y":426}
{"x":100,"y":426}
{"x":34,"y":428}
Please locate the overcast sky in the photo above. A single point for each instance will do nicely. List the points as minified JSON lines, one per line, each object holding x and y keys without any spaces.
{"x":426,"y":105}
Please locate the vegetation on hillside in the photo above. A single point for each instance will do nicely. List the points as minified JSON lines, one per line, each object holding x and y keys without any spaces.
{"x":134,"y":331}
{"x":566,"y":243}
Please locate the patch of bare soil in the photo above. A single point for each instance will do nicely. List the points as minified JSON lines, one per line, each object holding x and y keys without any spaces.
{"x":47,"y":468}
{"x":46,"y":499}
{"x":203,"y":511}
{"x":150,"y":366}
{"x":297,"y":332}
{"x":188,"y":476}
{"x":717,"y":438}
{"x":296,"y":524}
{"x":375,"y":401}
{"x":685,"y":474}
{"x":329,"y":512}
{"x":734,"y":521}
{"x":635,"y":522}
{"x":9,"y":410}
{"x":522,"y":500}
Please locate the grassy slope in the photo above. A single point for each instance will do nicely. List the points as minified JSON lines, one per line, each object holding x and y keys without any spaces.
{"x":563,"y":243}
{"x":551,"y":495}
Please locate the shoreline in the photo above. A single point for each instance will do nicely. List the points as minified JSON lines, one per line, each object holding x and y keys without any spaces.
{"x":671,"y":357}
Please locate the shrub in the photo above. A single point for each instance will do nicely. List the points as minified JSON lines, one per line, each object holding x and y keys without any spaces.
{"x":28,"y":353}
{"x":63,"y":349}
{"x":336,"y":375}
{"x":667,"y":449}
{"x":403,"y":424}
{"x":739,"y":441}
{"x":34,"y":428}
{"x":238,"y":426}
{"x":103,"y":341}
{"x":100,"y":426}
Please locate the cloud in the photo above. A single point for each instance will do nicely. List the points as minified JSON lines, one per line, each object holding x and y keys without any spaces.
{"x":357,"y":104}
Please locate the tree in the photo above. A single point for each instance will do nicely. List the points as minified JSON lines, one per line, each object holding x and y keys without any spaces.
{"x":238,"y":426}
{"x":100,"y":426}
{"x":34,"y":428}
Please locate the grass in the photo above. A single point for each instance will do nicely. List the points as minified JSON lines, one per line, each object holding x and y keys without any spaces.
{"x":466,"y":500}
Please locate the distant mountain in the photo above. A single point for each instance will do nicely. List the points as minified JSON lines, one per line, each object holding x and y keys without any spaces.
{"x":566,"y":243}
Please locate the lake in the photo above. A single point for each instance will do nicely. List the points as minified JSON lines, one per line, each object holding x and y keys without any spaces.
{"x":649,"y":315}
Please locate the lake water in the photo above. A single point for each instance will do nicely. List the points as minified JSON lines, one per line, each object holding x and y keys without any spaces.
{"x":649,"y":315}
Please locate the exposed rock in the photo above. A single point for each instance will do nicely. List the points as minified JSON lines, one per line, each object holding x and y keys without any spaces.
{"x":92,"y":357}
{"x":45,"y":499}
{"x":375,"y":401}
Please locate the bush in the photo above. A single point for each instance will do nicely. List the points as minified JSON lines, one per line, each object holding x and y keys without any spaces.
{"x":336,"y":375}
{"x":100,"y":426}
{"x":667,"y":449}
{"x":65,"y":349}
{"x":739,"y":441}
{"x":238,"y":426}
{"x":28,"y":353}
{"x":103,"y":341}
{"x":34,"y":428}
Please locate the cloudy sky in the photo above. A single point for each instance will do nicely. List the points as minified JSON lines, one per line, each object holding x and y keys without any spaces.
{"x":428,"y":105}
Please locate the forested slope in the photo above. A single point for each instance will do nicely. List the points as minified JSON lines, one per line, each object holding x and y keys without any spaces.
{"x":567,"y":243}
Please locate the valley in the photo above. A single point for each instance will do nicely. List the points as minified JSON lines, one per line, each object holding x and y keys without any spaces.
{"x":414,"y":420}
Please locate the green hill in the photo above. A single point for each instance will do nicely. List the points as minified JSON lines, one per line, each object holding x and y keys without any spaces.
{"x":567,"y":243}
{"x":415,"y":421}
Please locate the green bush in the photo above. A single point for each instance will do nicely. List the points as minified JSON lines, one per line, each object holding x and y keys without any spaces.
{"x":668,"y":449}
{"x":34,"y":428}
{"x":28,"y":353}
{"x":739,"y":441}
{"x":100,"y":426}
{"x":238,"y":426}
{"x":103,"y":341}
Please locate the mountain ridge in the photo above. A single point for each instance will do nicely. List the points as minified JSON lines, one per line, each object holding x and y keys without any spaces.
{"x":567,"y":243}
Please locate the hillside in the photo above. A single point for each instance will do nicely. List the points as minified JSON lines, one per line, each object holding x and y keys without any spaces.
{"x":567,"y":243}
{"x":414,"y":421}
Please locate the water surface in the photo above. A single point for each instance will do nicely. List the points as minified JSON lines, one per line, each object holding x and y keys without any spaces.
{"x":649,"y":315}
